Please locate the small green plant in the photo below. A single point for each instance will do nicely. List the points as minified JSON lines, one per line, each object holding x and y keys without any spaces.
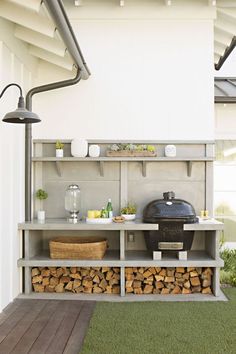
{"x":132,"y":147}
{"x":228,"y":273}
{"x":59,"y":145}
{"x":41,"y":194}
{"x":130,"y":209}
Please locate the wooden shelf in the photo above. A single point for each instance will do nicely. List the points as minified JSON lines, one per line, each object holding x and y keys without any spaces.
{"x":101,"y":160}
{"x":118,"y":159}
{"x":132,"y":259}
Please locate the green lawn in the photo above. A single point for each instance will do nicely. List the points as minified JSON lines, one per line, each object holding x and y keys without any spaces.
{"x":163,"y":327}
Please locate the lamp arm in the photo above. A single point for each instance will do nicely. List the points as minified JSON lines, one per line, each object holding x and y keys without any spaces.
{"x":6,"y":87}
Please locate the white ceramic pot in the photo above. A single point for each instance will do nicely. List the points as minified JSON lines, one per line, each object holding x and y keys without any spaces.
{"x":170,"y":151}
{"x":41,"y":215}
{"x":129,"y":217}
{"x":79,"y":148}
{"x":94,"y":151}
{"x":59,"y":153}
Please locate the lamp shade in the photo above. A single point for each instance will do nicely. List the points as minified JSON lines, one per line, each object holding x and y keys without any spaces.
{"x":21,"y":116}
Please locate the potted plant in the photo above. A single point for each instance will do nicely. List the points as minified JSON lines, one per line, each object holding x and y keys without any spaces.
{"x":131,"y":150}
{"x":41,"y":195}
{"x":129,"y":211}
{"x":59,"y":149}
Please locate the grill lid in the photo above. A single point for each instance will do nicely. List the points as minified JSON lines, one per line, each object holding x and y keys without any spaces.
{"x":170,"y":209}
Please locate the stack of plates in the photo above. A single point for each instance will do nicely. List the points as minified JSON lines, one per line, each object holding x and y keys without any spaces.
{"x":98,"y":220}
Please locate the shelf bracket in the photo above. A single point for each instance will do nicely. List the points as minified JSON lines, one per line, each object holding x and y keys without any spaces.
{"x":101,"y":168}
{"x":189,"y":168}
{"x":144,"y":168}
{"x":58,"y":168}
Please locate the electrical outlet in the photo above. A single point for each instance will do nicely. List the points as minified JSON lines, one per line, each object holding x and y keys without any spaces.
{"x":131,"y":237}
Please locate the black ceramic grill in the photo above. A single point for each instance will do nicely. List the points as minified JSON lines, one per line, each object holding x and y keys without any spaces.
{"x":170,"y":214}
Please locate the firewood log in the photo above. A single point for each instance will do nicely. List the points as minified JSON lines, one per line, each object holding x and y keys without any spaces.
{"x":97,"y":290}
{"x":76,"y":283}
{"x":206,"y":290}
{"x":45,"y":272}
{"x":180,"y":269}
{"x":65,"y":279}
{"x":195,"y":281}
{"x":38,"y":288}
{"x":37,"y":279}
{"x":186,"y":291}
{"x":169,"y":279}
{"x":59,"y":288}
{"x":148,"y":289}
{"x":73,"y":270}
{"x":116,"y":289}
{"x":45,"y":281}
{"x":176,"y":290}
{"x":54,"y":281}
{"x":34,"y":272}
{"x":165,"y":291}
{"x":69,"y":286}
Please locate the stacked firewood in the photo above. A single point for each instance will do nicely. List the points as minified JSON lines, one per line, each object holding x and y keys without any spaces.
{"x":76,"y":279}
{"x":157,"y":280}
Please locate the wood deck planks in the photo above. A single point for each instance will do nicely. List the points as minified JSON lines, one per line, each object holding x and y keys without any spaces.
{"x":66,"y":327}
{"x":21,"y":327}
{"x":12,"y":320}
{"x":38,"y":325}
{"x":48,"y":333}
{"x":75,"y":342}
{"x":9,"y":310}
{"x":44,"y":326}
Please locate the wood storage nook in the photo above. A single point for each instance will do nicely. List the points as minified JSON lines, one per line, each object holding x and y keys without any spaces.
{"x":127,"y":272}
{"x":170,"y":280}
{"x":94,"y":280}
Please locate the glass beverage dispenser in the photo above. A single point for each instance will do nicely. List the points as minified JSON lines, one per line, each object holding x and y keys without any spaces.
{"x":72,"y":202}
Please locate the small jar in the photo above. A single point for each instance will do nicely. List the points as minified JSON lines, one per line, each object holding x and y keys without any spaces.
{"x":170,"y":151}
{"x":94,"y":150}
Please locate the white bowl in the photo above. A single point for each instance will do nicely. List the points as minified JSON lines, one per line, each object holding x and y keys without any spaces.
{"x":129,"y":217}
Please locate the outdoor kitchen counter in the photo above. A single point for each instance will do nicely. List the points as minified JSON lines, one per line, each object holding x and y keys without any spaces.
{"x":62,"y":224}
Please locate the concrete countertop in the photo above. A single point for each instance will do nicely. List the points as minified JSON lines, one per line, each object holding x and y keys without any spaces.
{"x":63,"y":224}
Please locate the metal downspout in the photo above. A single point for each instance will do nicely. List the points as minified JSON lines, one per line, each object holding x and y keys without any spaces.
{"x":28,"y":136}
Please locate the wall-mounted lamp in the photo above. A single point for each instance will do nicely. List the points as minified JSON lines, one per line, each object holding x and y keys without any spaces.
{"x":21,"y":115}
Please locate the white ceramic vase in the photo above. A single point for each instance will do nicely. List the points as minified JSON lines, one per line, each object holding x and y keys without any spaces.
{"x":59,"y":153}
{"x":79,"y":148}
{"x":94,"y":150}
{"x":41,"y":215}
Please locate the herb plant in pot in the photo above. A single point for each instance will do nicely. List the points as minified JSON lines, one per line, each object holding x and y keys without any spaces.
{"x":59,"y":149}
{"x":129,"y":212}
{"x":41,"y":195}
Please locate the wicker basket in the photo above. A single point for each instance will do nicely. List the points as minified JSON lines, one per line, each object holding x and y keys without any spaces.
{"x":78,"y":247}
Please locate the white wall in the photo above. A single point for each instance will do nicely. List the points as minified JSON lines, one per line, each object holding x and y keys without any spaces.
{"x":151,"y":79}
{"x":12,"y":69}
